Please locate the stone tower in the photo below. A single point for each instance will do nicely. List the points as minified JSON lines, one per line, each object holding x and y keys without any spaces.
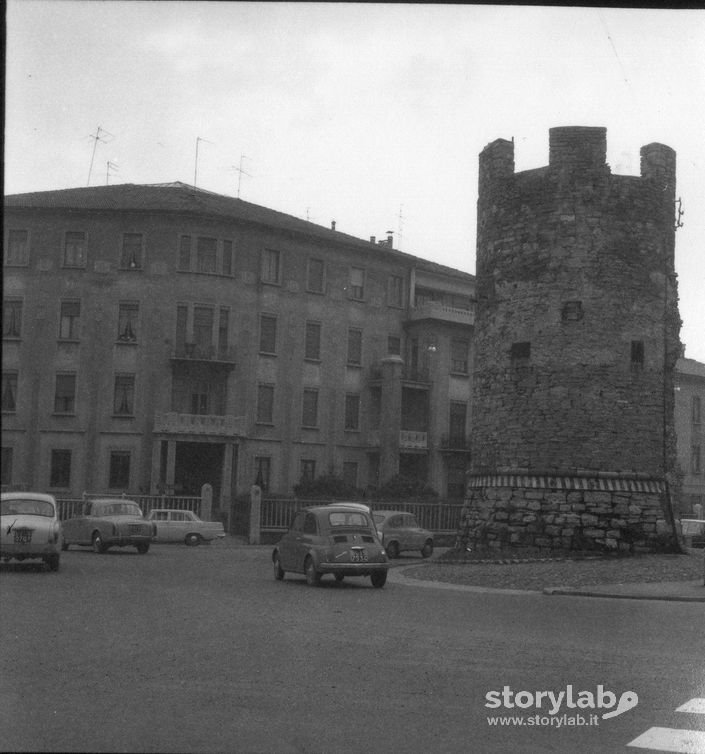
{"x":577,"y":335}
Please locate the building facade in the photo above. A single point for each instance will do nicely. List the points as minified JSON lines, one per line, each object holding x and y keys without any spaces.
{"x":156,"y":338}
{"x":577,"y":338}
{"x":690,"y":431}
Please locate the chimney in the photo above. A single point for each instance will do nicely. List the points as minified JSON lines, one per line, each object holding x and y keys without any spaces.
{"x":390,"y":239}
{"x":332,"y":224}
{"x":373,"y":239}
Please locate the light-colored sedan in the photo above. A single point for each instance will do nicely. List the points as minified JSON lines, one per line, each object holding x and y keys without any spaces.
{"x":109,"y":522}
{"x":183,"y":526}
{"x":400,"y":531}
{"x":30,"y":528}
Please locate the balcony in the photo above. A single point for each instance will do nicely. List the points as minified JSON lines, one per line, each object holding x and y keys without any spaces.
{"x":439,"y":311}
{"x":454,"y":444}
{"x":195,"y":352}
{"x":174,"y":423}
{"x":410,"y":439}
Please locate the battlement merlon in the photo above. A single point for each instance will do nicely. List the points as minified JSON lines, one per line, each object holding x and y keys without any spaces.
{"x":658,"y":164}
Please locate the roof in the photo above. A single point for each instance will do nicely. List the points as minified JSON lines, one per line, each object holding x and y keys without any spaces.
{"x":690,"y":367}
{"x":28,"y":496}
{"x":183,"y":198}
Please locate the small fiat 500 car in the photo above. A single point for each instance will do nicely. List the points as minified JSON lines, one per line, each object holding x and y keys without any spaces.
{"x":106,"y":523}
{"x":183,"y":526}
{"x":336,"y":539}
{"x":401,"y":532}
{"x":30,"y":528}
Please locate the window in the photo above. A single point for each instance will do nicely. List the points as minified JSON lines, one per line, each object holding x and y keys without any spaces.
{"x":9,"y":391}
{"x":313,"y":341}
{"x":223,"y":332}
{"x":456,"y":482}
{"x":314,"y":280}
{"x":124,"y":395}
{"x":695,"y":467}
{"x":310,"y":524}
{"x":696,"y":409}
{"x":11,"y":318}
{"x":75,"y":249}
{"x":309,"y":413}
{"x":354,"y":346}
{"x":459,"y":356}
{"x":60,"y":472}
{"x":132,"y":251}
{"x":456,"y":425}
{"x":127,"y":321}
{"x":6,"y":466}
{"x":308,"y":470}
{"x":69,"y":320}
{"x":17,"y":252}
{"x":395,"y":291}
{"x":180,"y":335}
{"x":263,"y":470}
{"x":203,"y":329}
{"x":65,"y":395}
{"x":357,"y":283}
{"x":350,"y":473}
{"x":637,"y":354}
{"x":352,"y":412}
{"x":394,"y":345}
{"x":206,"y":249}
{"x":227,"y":257}
{"x":520,"y":353}
{"x":271,"y":266}
{"x":184,"y":264}
{"x":267,"y":334}
{"x":119,"y":474}
{"x":200,"y":397}
{"x":265,"y":404}
{"x":572,"y":311}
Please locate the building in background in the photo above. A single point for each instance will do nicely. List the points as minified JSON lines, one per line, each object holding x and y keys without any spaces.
{"x":690,"y":431}
{"x":159,"y":337}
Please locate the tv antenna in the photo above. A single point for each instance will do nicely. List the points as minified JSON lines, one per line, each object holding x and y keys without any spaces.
{"x":97,"y":136}
{"x":240,"y":172}
{"x":195,"y":170}
{"x":401,"y":225}
{"x":110,"y":166}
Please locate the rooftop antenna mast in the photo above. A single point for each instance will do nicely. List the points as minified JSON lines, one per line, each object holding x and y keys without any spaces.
{"x":401,"y":225}
{"x":97,"y":136}
{"x":240,"y":172}
{"x":195,"y":170}
{"x":111,"y":166}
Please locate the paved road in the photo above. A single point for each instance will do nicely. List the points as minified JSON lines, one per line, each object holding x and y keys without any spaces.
{"x":199,"y":649}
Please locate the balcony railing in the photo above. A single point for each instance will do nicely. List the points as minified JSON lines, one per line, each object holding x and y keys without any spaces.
{"x":198,"y":352}
{"x":199,"y":424}
{"x":455,"y":442}
{"x":411,"y":439}
{"x":436,"y":310}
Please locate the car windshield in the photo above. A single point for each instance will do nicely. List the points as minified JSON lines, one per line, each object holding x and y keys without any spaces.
{"x":27,"y":507}
{"x":118,"y":509}
{"x":347,"y":518}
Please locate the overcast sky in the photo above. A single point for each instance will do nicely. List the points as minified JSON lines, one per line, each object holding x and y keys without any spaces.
{"x":371,"y":115}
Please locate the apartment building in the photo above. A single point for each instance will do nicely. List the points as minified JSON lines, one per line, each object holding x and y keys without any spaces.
{"x":690,"y":431}
{"x":159,"y":337}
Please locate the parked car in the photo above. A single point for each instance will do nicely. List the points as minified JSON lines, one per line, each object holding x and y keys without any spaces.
{"x":337,"y":539}
{"x":30,"y":528}
{"x":400,"y":532}
{"x":110,"y":522}
{"x":183,"y":526}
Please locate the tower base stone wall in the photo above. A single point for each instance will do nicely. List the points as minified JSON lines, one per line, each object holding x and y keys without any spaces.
{"x":606,"y":514}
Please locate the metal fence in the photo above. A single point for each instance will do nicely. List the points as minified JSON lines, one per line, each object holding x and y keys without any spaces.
{"x":70,"y":507}
{"x":437,"y":516}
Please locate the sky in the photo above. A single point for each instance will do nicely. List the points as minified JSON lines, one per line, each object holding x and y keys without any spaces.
{"x":372,"y":115}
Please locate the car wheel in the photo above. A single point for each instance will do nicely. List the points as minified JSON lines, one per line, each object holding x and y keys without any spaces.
{"x":339,"y":576}
{"x":98,"y":544}
{"x":427,"y":549}
{"x":313,"y":578}
{"x":142,"y":548}
{"x":192,"y":540}
{"x":378,"y":579}
{"x":392,"y":550}
{"x":278,"y":570}
{"x":53,"y":562}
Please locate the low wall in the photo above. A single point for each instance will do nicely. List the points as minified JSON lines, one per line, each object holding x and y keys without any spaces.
{"x":616,"y":514}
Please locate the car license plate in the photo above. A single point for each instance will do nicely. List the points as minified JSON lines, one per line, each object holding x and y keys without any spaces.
{"x":358,"y":556}
{"x":23,"y":536}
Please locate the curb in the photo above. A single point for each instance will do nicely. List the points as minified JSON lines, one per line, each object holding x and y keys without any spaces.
{"x":568,"y":592}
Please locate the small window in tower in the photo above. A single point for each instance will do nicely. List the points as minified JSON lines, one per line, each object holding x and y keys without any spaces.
{"x":637,"y":354}
{"x":572,"y":311}
{"x":520,"y":352}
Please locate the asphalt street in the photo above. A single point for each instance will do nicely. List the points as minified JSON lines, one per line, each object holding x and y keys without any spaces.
{"x":200,"y":649}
